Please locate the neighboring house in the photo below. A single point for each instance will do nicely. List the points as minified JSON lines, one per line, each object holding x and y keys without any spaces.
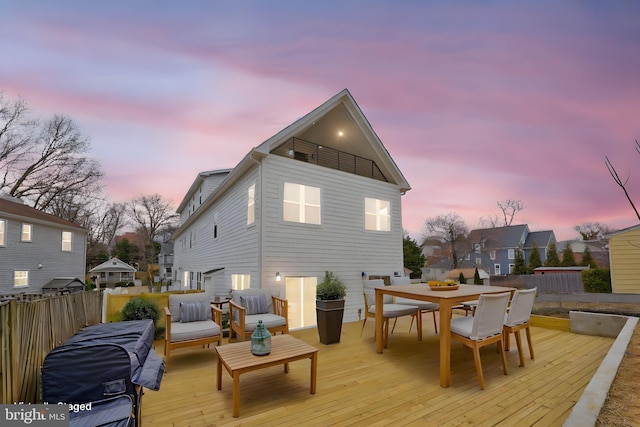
{"x":322,"y":194}
{"x":113,"y":271}
{"x":599,"y":250}
{"x":165,"y":262}
{"x":36,"y":248}
{"x":624,"y":256}
{"x":494,"y":249}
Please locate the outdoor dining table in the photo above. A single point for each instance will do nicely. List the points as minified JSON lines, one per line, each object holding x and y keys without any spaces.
{"x":447,"y":299}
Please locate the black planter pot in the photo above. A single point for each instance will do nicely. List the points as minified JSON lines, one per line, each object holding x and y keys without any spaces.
{"x":329,"y":320}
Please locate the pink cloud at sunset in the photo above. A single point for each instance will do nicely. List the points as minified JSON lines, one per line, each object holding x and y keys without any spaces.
{"x":476,"y":102}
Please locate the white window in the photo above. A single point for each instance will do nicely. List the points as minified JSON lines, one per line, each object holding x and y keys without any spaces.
{"x":26,"y":232}
{"x":3,"y":228}
{"x":511,"y":267}
{"x":240,"y":281}
{"x":377,"y":214}
{"x":251,"y":204}
{"x":477,"y":248}
{"x":478,"y":261}
{"x":496,"y":268}
{"x":511,"y":254}
{"x":301,"y":298}
{"x":67,"y":237}
{"x":301,"y":203}
{"x":20,"y":279}
{"x":492,"y":254}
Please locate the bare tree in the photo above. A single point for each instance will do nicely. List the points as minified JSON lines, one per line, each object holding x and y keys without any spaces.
{"x":450,"y":229}
{"x":592,"y":230}
{"x":151,"y":215}
{"x":510,"y":208}
{"x":45,"y":163}
{"x":618,"y":180}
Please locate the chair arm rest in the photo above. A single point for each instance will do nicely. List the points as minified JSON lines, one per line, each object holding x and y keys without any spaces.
{"x":167,"y":312}
{"x":280,"y":306}
{"x":242,"y":312}
{"x":216,"y":315}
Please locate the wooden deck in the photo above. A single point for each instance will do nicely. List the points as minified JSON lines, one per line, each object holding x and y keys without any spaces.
{"x":356,"y":386}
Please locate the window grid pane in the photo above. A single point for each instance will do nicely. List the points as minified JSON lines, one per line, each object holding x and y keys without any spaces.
{"x":66,"y":241}
{"x":377,"y":214}
{"x":26,"y":232}
{"x":2,"y":232}
{"x":21,"y":278}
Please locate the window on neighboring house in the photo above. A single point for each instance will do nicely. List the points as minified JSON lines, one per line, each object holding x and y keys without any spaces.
{"x":3,"y":228}
{"x":511,"y":254}
{"x":496,"y":268}
{"x":26,"y":232}
{"x":67,"y":237}
{"x":377,"y":214}
{"x":20,"y":279}
{"x":511,"y":267}
{"x":492,"y":254}
{"x":301,"y":203}
{"x":478,"y":261}
{"x":251,"y":204}
{"x":477,"y":248}
{"x":240,"y":281}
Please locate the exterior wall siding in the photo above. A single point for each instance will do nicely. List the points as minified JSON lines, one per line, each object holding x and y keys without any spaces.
{"x":624,"y":253}
{"x":340,"y":244}
{"x":235,"y":249}
{"x":45,"y":248}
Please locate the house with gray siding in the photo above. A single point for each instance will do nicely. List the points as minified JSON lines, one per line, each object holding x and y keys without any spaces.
{"x":36,"y":248}
{"x":494,"y":248}
{"x":322,"y":194}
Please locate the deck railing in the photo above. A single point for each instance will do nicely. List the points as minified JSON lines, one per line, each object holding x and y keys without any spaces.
{"x":30,"y":329}
{"x":310,"y":152}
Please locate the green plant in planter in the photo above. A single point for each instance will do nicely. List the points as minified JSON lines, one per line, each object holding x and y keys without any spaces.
{"x":142,"y":308}
{"x":331,"y":288}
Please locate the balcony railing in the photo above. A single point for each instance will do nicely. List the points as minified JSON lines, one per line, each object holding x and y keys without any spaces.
{"x":311,"y":152}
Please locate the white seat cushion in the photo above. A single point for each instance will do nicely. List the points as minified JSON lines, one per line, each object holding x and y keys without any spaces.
{"x":395,"y":310}
{"x":422,"y":305}
{"x":269,"y":320}
{"x":462,"y":326}
{"x":193,"y":330}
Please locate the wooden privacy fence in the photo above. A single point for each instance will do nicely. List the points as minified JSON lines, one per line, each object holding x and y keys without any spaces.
{"x":556,"y":283}
{"x":30,"y":329}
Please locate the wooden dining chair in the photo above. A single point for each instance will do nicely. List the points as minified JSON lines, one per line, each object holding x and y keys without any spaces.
{"x":517,"y":319}
{"x":483,"y":329}
{"x":390,"y":309}
{"x":423,"y":306}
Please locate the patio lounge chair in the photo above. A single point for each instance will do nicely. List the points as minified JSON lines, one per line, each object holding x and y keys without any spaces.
{"x":191,"y":320}
{"x":390,"y":309}
{"x":248,"y":306}
{"x":483,"y":329}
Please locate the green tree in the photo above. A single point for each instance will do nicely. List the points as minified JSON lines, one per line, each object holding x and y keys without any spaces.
{"x":552,"y":256}
{"x":462,"y":279}
{"x":126,"y":252}
{"x":476,"y":278}
{"x":518,"y":264}
{"x":587,"y":259}
{"x":534,"y":258}
{"x":413,"y":257}
{"x":568,"y":260}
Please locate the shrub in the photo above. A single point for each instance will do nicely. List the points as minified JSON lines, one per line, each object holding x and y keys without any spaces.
{"x":140,"y":309}
{"x":331,"y":288}
{"x":461,"y":279}
{"x":596,"y":280}
{"x":124,"y":284}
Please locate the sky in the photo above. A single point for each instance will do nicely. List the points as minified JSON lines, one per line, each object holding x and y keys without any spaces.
{"x":476,"y":102}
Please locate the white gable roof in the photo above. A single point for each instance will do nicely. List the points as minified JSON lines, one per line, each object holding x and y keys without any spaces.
{"x":322,"y":125}
{"x":113,"y":265}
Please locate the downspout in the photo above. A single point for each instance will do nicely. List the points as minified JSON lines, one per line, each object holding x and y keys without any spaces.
{"x":259,"y":218}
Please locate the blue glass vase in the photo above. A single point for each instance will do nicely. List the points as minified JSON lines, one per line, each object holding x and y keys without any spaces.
{"x":261,"y":340}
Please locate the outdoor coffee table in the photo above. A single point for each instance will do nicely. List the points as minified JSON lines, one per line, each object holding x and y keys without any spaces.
{"x":238,"y":359}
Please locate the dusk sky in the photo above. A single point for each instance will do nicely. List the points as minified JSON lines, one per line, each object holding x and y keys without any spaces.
{"x":476,"y":101}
